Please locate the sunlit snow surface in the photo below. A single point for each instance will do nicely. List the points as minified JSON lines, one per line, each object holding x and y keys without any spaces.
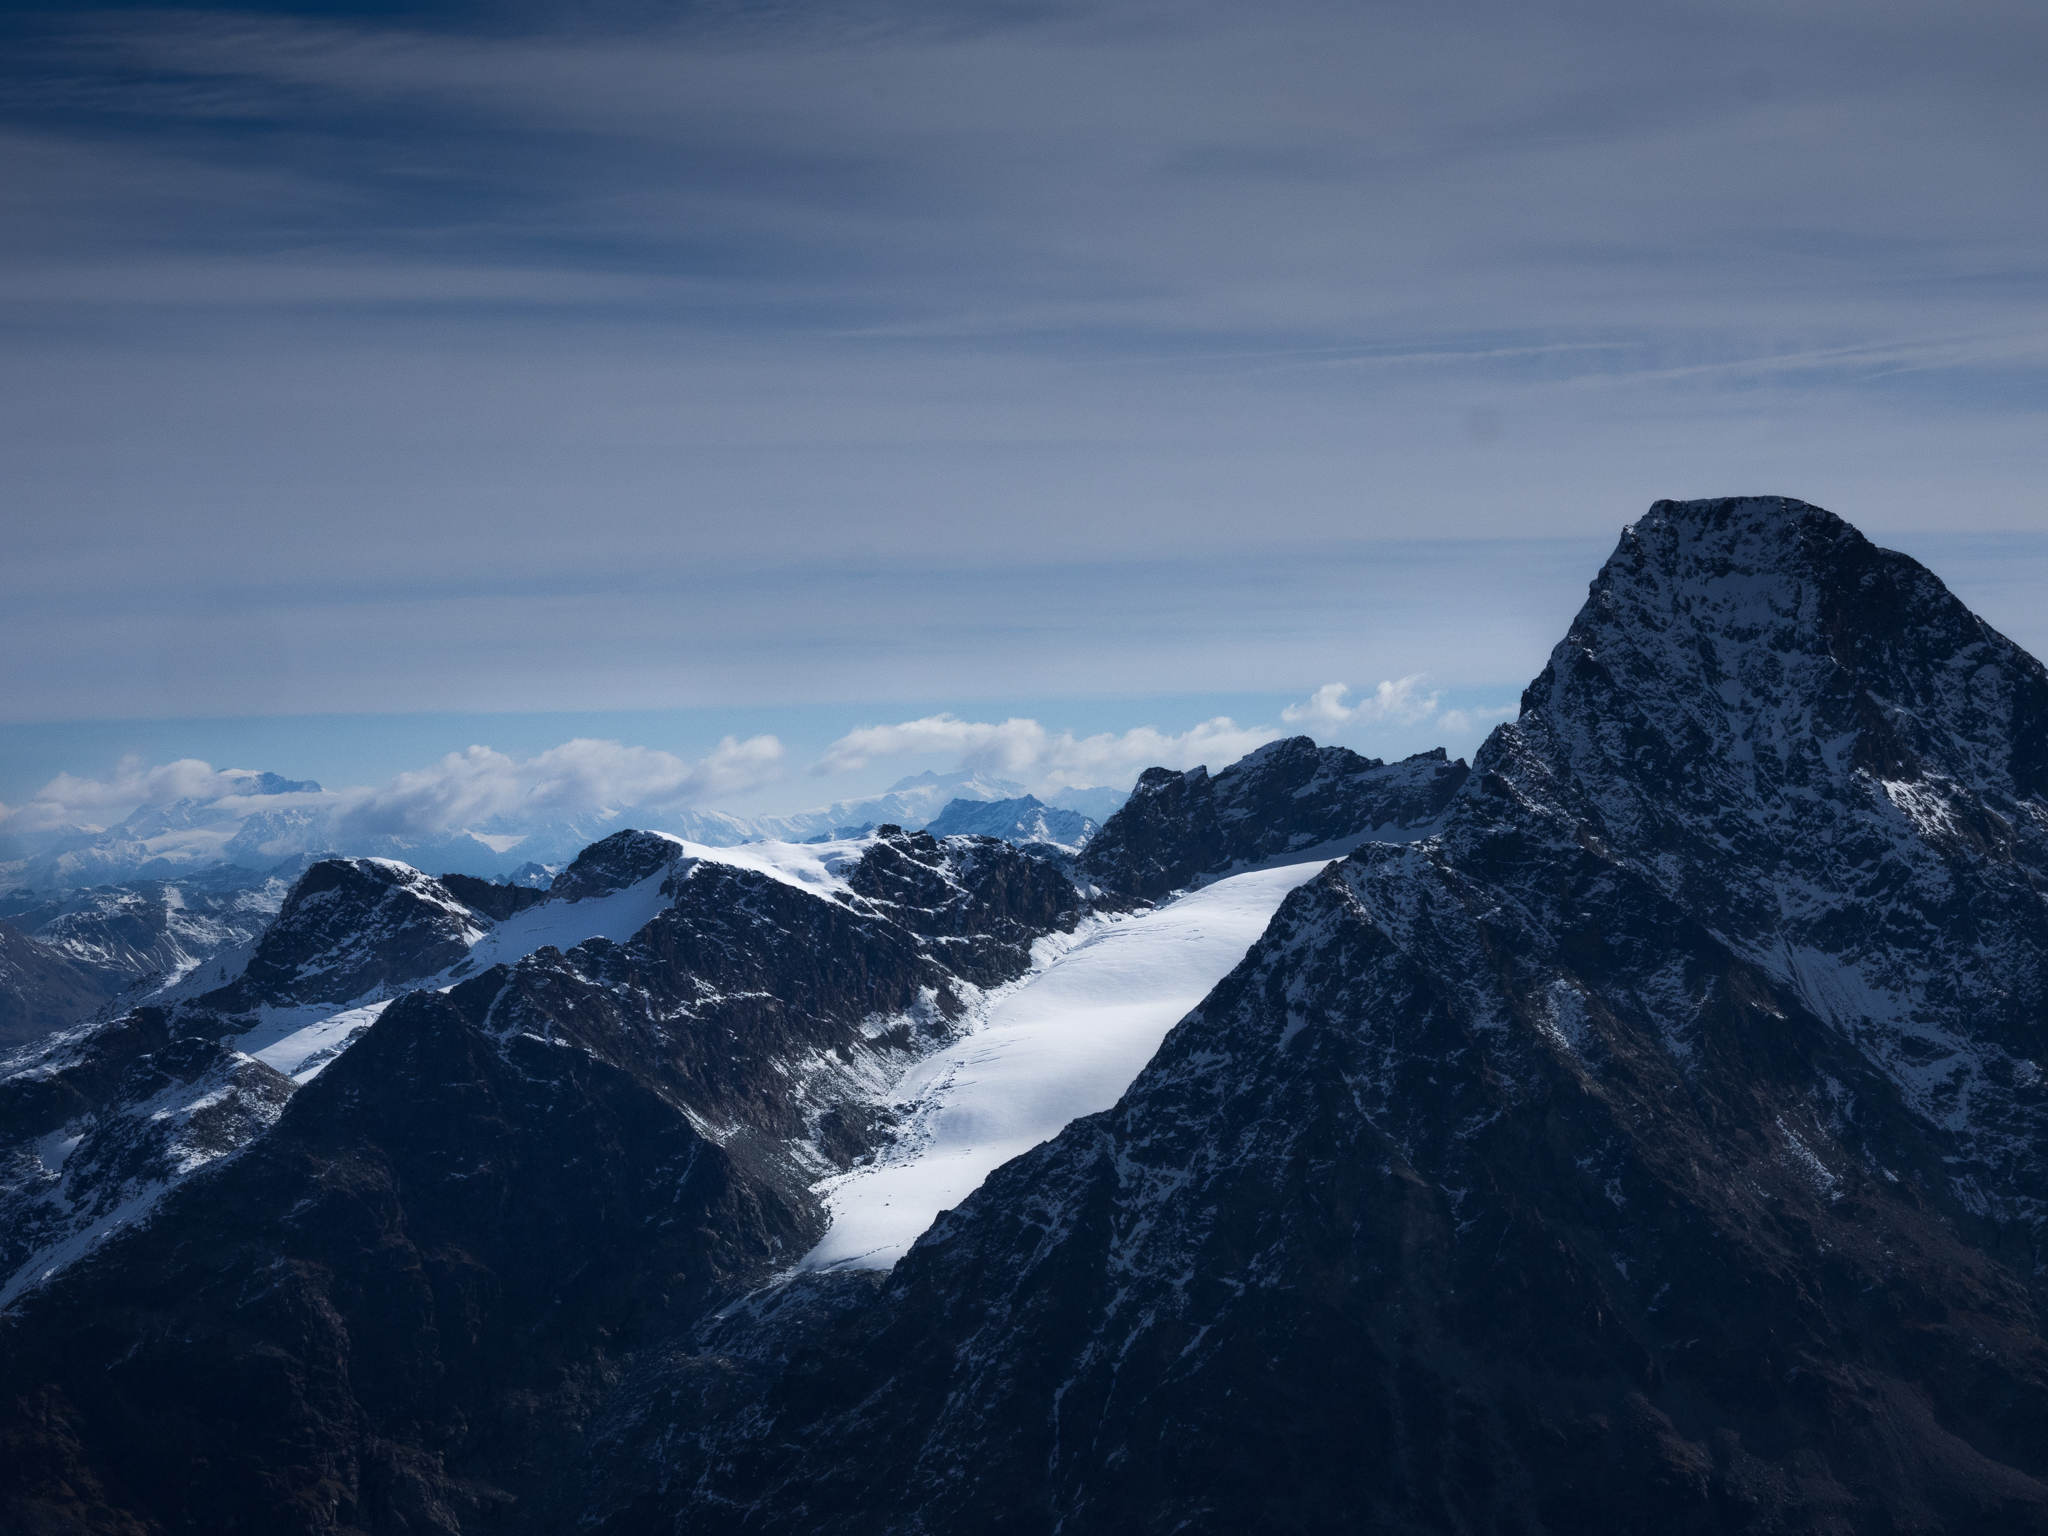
{"x":1063,"y":1042}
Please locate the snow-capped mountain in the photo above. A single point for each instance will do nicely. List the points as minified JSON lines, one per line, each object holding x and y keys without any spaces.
{"x":910,"y":802}
{"x":153,"y":929}
{"x":41,"y":991}
{"x":77,"y":951}
{"x":141,"y":1104}
{"x":166,"y":1090}
{"x":126,"y":940}
{"x":1641,"y":1131}
{"x":1025,"y":819}
{"x":265,"y":821}
{"x":154,"y":841}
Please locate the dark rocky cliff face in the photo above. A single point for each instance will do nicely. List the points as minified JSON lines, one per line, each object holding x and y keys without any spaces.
{"x":493,"y":900}
{"x":1285,"y":798}
{"x":1656,"y":1149}
{"x":348,"y":927}
{"x":393,"y":1312}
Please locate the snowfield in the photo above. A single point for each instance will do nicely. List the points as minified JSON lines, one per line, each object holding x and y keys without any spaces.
{"x":1063,"y":1042}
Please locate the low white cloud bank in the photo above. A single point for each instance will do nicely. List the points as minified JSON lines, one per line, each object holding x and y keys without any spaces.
{"x":478,"y":787}
{"x":67,"y":800}
{"x":1392,"y":703}
{"x":1025,"y":750}
{"x":1467,"y":722}
{"x":1402,"y":702}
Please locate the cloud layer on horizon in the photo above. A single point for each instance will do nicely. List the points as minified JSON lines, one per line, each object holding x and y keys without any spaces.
{"x":477,"y":788}
{"x":482,"y":789}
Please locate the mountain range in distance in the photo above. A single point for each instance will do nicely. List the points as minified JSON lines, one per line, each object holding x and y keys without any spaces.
{"x":1641,"y":1128}
{"x":269,"y":821}
{"x":182,"y":893}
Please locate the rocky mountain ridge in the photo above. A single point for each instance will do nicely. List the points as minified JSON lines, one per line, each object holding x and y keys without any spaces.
{"x":1276,"y":803}
{"x":1653,"y":1144}
{"x":266,"y":820}
{"x":42,"y":991}
{"x":748,"y":1015}
{"x":1654,"y":1148}
{"x":131,"y":939}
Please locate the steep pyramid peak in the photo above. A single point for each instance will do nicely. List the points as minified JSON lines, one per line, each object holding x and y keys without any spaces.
{"x":1759,"y":652}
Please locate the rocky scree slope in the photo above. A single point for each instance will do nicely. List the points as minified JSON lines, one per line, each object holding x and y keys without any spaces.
{"x":1654,"y":1149}
{"x":395,"y":1302}
{"x":1273,"y":805}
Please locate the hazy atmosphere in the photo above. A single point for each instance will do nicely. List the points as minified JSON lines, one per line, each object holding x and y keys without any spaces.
{"x":1024,"y":768}
{"x":839,"y":383}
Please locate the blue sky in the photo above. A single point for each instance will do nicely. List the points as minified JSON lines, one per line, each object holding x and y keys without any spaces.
{"x":379,"y":380}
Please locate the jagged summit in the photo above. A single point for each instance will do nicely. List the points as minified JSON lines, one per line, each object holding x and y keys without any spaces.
{"x":1275,"y":803}
{"x":1764,"y":629}
{"x":1830,"y":762}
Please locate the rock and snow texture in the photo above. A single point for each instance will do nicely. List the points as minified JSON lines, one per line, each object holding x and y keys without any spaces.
{"x":42,"y":991}
{"x":1810,"y":745}
{"x":1656,"y":1147}
{"x":356,"y":933}
{"x":1061,"y":1043}
{"x":102,"y":1120}
{"x":1284,"y":801}
{"x":273,"y":824}
{"x":558,"y":1160}
{"x":1025,"y":819}
{"x":477,"y":1203}
{"x":127,"y":942}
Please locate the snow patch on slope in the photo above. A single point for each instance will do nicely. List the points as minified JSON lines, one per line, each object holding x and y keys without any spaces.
{"x":1063,"y":1042}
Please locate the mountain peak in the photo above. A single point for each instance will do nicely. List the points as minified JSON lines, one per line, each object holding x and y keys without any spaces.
{"x":980,"y":786}
{"x":1770,"y":647}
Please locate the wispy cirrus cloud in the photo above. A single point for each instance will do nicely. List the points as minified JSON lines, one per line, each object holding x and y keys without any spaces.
{"x":801,"y":309}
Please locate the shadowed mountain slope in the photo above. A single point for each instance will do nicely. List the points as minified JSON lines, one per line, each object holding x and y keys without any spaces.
{"x":1655,"y":1149}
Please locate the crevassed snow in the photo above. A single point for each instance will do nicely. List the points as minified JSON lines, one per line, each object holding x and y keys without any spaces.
{"x":1063,"y":1042}
{"x":300,"y":1053}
